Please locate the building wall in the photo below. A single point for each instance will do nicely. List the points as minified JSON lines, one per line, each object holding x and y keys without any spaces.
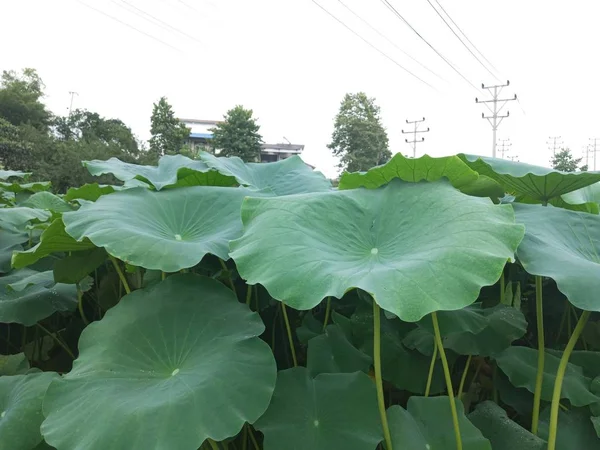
{"x":269,"y":153}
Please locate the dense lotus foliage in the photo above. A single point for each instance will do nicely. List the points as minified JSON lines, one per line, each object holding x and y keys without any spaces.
{"x":427,"y":304}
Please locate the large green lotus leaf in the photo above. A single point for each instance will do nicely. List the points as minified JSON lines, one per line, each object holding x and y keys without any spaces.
{"x":309,"y":329}
{"x":591,"y":208}
{"x":427,"y":424}
{"x":285,"y":177}
{"x":37,"y":186}
{"x":473,"y":330}
{"x":416,"y":247}
{"x":484,"y":187}
{"x":331,"y":352}
{"x":15,"y":219}
{"x":166,"y":174}
{"x":596,"y":424}
{"x":7,"y":198}
{"x":13,"y":364}
{"x":74,"y":268}
{"x":520,"y":365}
{"x":424,"y":168}
{"x":395,"y":357}
{"x":194,"y":177}
{"x":9,"y":243}
{"x":168,"y":230}
{"x":539,"y":183}
{"x":6,"y":174}
{"x":575,"y":430}
{"x":503,"y":433}
{"x":395,"y":361}
{"x":565,"y":246}
{"x":330,"y":411}
{"x":519,"y":399}
{"x":168,"y":367}
{"x":26,"y":278}
{"x":27,"y":296}
{"x":90,"y":192}
{"x":54,"y":239}
{"x":48,"y":201}
{"x":588,"y":194}
{"x":588,"y":361}
{"x":21,"y":409}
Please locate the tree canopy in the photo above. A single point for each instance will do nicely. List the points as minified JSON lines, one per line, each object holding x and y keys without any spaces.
{"x":52,"y":147}
{"x":238,"y":135}
{"x":563,"y":160}
{"x":168,"y":133}
{"x":358,"y":138}
{"x":21,"y":99}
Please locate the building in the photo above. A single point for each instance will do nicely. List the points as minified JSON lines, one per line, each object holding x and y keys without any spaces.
{"x":277,"y":152}
{"x":200,"y":137}
{"x":200,"y":134}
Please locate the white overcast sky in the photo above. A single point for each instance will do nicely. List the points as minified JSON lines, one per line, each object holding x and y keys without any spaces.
{"x":292,"y":64}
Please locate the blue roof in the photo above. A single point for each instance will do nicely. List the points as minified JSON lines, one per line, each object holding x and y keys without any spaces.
{"x":201,"y":135}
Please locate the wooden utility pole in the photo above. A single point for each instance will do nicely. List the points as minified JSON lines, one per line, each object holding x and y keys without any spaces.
{"x":414,"y":133}
{"x":497,"y":105}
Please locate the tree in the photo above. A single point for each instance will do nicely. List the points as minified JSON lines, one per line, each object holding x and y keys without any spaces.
{"x":33,"y":140}
{"x":20,"y":99}
{"x":563,"y":160}
{"x":238,"y":135}
{"x":90,"y":126}
{"x":358,"y":137}
{"x":12,"y":149}
{"x":168,"y":133}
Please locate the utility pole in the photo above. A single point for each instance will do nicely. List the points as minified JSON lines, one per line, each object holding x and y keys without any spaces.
{"x":504,"y":147}
{"x":585,"y":154}
{"x":554,"y":145}
{"x":414,"y":133}
{"x":594,"y":149}
{"x":513,"y":158}
{"x":73,"y":94}
{"x":495,"y":109}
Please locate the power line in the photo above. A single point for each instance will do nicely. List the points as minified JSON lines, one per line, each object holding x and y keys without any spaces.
{"x":129,"y":26}
{"x":466,"y":37}
{"x":371,"y":45}
{"x":391,"y":8}
{"x":188,"y":5}
{"x":193,"y":8}
{"x":459,"y":38}
{"x":164,"y":24}
{"x":386,"y":38}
